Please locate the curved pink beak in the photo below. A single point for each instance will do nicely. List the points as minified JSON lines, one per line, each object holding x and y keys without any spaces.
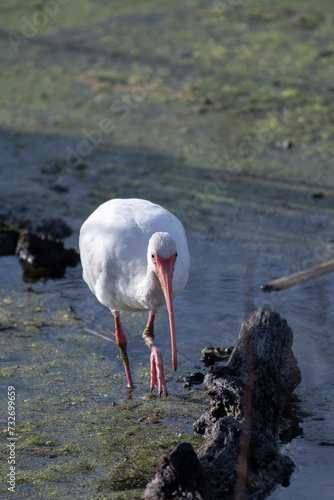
{"x":165,"y":270}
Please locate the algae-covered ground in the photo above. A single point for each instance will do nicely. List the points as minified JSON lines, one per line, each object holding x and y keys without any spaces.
{"x":77,"y":432}
{"x":221,"y":111}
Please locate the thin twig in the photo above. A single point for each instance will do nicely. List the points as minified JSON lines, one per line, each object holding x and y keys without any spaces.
{"x":99,"y":335}
{"x":246,"y":429}
{"x":247,"y":407}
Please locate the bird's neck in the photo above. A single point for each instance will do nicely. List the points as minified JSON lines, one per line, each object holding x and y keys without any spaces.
{"x":150,"y":291}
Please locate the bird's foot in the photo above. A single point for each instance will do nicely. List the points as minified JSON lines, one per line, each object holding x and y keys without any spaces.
{"x":157,"y":372}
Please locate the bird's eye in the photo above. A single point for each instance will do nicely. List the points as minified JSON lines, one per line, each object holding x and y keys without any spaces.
{"x":152,"y":255}
{"x":176,"y":255}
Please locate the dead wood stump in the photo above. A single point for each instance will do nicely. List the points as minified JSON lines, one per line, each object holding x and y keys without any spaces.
{"x":241,"y":457}
{"x":44,"y":257}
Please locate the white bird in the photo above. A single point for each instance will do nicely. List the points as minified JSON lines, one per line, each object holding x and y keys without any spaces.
{"x":135,"y":257}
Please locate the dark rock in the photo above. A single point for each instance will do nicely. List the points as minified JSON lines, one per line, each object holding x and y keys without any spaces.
{"x":194,"y":379}
{"x":241,"y":457}
{"x":180,"y":475}
{"x":59,"y":188}
{"x":44,"y":257}
{"x":56,"y":228}
{"x":207,"y":100}
{"x":8,"y":239}
{"x":210,"y":355}
{"x":326,"y":53}
{"x":287,"y":144}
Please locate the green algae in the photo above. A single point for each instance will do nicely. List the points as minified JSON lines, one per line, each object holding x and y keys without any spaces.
{"x":124,"y":441}
{"x":69,"y":430}
{"x":236,"y":85}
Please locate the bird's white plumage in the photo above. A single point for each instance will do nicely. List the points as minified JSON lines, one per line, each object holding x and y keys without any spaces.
{"x":163,"y":244}
{"x":114,"y":248}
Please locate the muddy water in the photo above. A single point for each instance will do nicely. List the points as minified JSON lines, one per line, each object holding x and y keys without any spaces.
{"x":221,"y":112}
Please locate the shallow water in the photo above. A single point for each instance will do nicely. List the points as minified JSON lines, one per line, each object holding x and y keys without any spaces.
{"x":209,"y":311}
{"x":202,"y":97}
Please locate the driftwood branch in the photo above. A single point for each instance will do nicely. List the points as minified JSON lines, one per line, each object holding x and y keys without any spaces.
{"x":241,"y":457}
{"x":299,"y":277}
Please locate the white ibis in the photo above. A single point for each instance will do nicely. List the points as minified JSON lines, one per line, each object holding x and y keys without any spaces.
{"x":135,"y":257}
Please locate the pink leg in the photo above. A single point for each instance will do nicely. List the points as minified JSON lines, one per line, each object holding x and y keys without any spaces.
{"x":121,"y":341}
{"x":157,"y":365}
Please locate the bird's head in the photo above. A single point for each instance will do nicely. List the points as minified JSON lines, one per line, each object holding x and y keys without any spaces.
{"x":162,"y":255}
